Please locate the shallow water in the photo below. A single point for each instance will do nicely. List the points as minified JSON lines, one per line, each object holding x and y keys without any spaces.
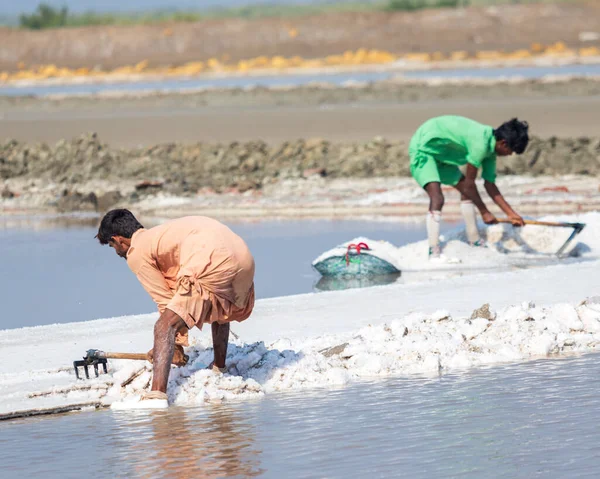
{"x":174,"y":85}
{"x":59,"y":273}
{"x":535,"y":419}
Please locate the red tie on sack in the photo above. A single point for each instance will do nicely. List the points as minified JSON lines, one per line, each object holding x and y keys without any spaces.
{"x":357,"y":247}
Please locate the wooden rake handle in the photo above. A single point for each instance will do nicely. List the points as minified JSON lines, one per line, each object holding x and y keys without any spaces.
{"x":142,"y":357}
{"x":138,"y":356}
{"x":545,"y":223}
{"x":95,"y":354}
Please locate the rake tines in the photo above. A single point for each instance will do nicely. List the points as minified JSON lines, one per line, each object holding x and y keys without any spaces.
{"x":86,"y":362}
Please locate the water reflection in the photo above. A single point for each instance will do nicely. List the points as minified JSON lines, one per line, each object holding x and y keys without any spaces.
{"x":35,"y":252}
{"x":215,"y":441}
{"x":336,"y":283}
{"x":507,"y":421}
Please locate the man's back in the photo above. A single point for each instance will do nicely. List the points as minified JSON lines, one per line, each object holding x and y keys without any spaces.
{"x":185,"y":246}
{"x":455,"y":140}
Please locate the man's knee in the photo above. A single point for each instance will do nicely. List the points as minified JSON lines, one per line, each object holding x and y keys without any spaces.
{"x":436,"y":201}
{"x":436,"y":197}
{"x":219,"y":328}
{"x":169,"y":323}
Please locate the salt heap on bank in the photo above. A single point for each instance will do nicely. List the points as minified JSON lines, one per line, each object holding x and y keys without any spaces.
{"x":418,"y":343}
{"x":505,"y":246}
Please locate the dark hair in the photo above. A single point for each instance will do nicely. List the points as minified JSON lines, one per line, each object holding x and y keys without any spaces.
{"x":117,"y":223}
{"x":514,"y":132}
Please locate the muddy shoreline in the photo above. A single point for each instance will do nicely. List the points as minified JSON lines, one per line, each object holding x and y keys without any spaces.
{"x":384,"y":199}
{"x":185,"y":168}
{"x":85,"y":174}
{"x":204,"y":149}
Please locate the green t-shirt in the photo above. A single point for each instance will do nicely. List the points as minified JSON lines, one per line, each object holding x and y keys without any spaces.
{"x":456,"y":140}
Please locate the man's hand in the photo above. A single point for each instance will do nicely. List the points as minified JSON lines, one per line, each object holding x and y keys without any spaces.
{"x":495,"y":194}
{"x":488,"y":218}
{"x":179,"y":357}
{"x":516,"y":220}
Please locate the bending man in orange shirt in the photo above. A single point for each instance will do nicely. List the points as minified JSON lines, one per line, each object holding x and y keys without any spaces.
{"x":197,"y":271}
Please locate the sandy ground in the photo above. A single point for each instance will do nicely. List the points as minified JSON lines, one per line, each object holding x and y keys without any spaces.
{"x":362,"y":198}
{"x":380,"y":198}
{"x":563,"y":117}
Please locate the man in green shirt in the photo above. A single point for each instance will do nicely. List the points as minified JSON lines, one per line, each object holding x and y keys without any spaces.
{"x":440,"y":146}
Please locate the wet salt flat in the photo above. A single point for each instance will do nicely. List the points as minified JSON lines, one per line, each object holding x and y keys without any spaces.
{"x":535,"y":419}
{"x":398,"y":401}
{"x":339,"y":79}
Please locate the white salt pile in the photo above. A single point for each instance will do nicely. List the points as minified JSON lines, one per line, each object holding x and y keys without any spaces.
{"x":505,"y":246}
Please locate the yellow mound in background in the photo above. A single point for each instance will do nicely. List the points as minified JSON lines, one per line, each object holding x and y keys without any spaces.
{"x":359,"y":57}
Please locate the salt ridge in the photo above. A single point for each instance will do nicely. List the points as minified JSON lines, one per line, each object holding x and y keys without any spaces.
{"x":415,"y":344}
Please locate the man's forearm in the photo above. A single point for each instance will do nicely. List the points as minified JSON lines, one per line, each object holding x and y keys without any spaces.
{"x":497,"y":198}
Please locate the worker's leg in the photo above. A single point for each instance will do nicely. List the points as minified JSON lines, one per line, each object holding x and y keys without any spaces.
{"x":220,"y":336}
{"x":425,"y":171}
{"x":434,"y":216}
{"x":165,"y":330}
{"x":467,"y":208}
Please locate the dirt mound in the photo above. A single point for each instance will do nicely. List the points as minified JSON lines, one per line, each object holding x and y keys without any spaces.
{"x":555,"y":156}
{"x":470,"y":29}
{"x":186,"y":168}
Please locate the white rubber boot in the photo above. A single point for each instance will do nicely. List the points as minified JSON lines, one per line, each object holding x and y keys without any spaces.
{"x":467,"y":208}
{"x":433,"y":233}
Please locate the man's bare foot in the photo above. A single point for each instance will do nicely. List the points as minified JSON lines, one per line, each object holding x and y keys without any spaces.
{"x":216,"y":369}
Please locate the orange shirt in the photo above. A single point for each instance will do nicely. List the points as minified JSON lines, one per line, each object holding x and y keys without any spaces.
{"x":188,"y":261}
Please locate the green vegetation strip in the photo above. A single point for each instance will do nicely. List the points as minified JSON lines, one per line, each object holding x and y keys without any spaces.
{"x":46,"y":16}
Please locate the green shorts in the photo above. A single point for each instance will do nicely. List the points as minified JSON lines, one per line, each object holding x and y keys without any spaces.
{"x":425,"y":169}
